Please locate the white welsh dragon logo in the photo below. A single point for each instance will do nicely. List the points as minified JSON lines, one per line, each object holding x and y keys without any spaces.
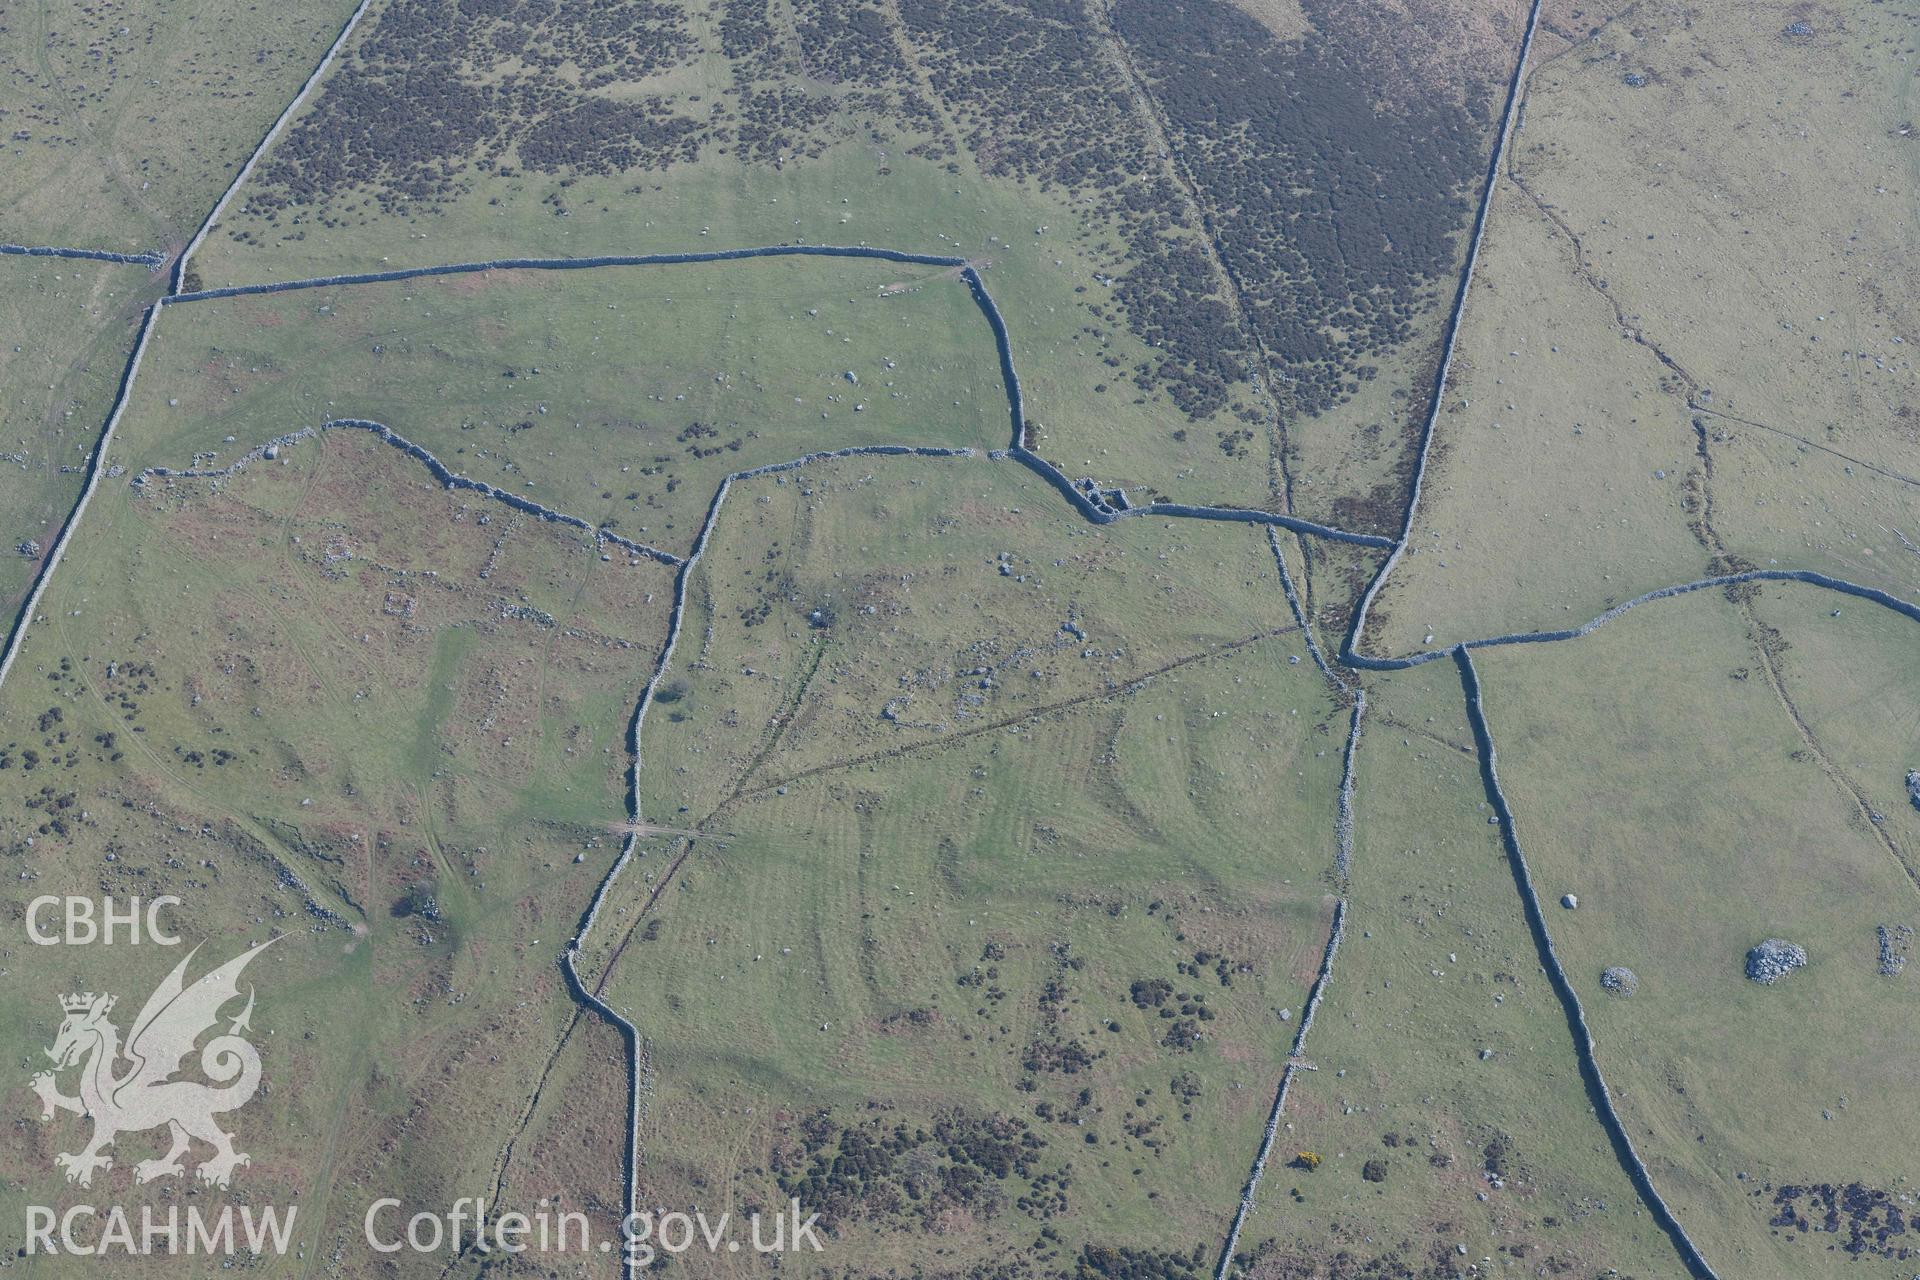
{"x":144,"y":1095}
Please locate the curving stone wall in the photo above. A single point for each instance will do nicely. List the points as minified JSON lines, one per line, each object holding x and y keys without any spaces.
{"x":1010,"y":377}
{"x":439,"y":470}
{"x":1873,"y":594}
{"x":1098,"y":512}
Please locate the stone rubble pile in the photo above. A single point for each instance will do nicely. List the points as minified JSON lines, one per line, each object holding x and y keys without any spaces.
{"x":1774,"y":959}
{"x":1896,"y":942}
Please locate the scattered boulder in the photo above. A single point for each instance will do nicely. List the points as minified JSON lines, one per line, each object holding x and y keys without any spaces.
{"x":1913,"y":787}
{"x":1571,"y":901}
{"x":1619,"y":981}
{"x":1774,"y":959}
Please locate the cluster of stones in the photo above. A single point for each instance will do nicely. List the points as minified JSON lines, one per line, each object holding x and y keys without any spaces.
{"x":1619,"y":982}
{"x":1774,"y":959}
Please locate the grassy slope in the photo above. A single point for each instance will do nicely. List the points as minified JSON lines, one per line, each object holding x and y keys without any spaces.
{"x":136,"y":119}
{"x":1661,"y":780}
{"x":628,"y":359}
{"x":65,"y":329}
{"x":1052,"y":286}
{"x":904,"y":556}
{"x":1208,"y":791}
{"x":1437,"y":965}
{"x":1851,"y":680}
{"x":1549,"y":407}
{"x":1678,"y":193}
{"x":240,"y":600}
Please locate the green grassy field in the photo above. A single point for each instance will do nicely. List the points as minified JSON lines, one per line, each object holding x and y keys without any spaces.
{"x":884,"y":898}
{"x":1501,"y":1153}
{"x":1850,"y":680}
{"x":65,"y":330}
{"x":1073,"y":351}
{"x":994,"y":851}
{"x":1772,"y":193}
{"x":324,"y":699}
{"x":619,"y":396}
{"x":1568,"y":471}
{"x":1662,"y":780}
{"x":123,"y":124}
{"x":853,"y":176}
{"x":1550,"y":409}
{"x":928,"y":636}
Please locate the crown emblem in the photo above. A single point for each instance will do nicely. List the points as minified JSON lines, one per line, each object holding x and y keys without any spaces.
{"x":146,"y":1094}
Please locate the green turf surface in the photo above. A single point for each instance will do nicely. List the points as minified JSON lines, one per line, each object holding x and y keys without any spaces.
{"x":123,"y":125}
{"x":65,"y":330}
{"x":1707,"y":825}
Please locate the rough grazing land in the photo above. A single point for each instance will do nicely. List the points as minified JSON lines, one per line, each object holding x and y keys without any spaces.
{"x":1108,"y":945}
{"x":791,"y":721}
{"x":333,"y":699}
{"x":1729,"y":823}
{"x":1661,"y":369}
{"x":65,"y":327}
{"x":1059,"y":143}
{"x":120,"y":125}
{"x":1426,"y":1145}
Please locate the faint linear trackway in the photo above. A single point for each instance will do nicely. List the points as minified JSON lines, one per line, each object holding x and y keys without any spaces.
{"x":676,"y":620}
{"x":1097,"y":513}
{"x":1350,"y":656}
{"x":1847,"y":458}
{"x":1127,"y":687}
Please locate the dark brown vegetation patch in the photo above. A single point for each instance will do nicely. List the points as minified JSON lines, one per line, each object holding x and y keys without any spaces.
{"x":1871,"y":1221}
{"x":440,"y":87}
{"x":1338,"y":215}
